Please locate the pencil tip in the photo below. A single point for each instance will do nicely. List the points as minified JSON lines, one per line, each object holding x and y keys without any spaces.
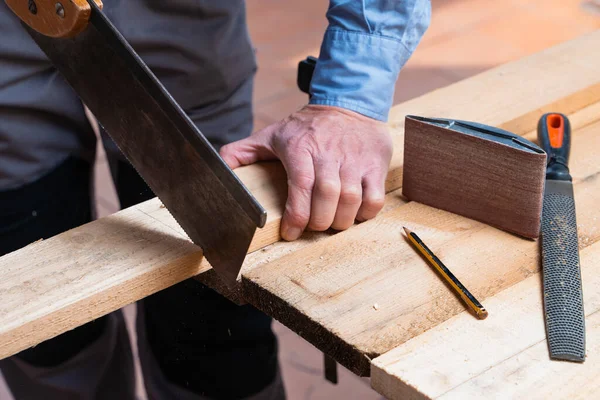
{"x":408,"y":231}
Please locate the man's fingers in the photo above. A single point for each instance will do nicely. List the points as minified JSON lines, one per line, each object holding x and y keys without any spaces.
{"x":246,"y":151}
{"x":325,"y":196}
{"x":301,"y":178}
{"x":332,"y":166}
{"x":373,"y":196}
{"x":350,"y":199}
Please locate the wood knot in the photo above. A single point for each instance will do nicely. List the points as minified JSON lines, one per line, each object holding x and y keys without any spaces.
{"x":81,"y":238}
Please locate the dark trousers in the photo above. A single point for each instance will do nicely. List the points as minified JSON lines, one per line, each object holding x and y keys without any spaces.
{"x":201,"y":341}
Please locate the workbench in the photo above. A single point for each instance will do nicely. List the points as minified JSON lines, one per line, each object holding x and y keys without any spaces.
{"x":364,"y":296}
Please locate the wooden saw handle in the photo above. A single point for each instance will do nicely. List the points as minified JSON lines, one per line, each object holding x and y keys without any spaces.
{"x":54,"y":18}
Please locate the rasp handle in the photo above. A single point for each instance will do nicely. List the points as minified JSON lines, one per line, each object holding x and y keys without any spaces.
{"x":554,"y":135}
{"x":54,"y":18}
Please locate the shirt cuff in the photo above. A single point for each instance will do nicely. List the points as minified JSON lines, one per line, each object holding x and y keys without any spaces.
{"x":358,"y":71}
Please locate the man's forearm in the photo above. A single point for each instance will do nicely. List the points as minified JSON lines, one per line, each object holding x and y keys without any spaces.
{"x":336,"y":159}
{"x":363,"y":50}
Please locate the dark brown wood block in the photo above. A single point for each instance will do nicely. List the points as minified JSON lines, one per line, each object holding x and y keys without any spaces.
{"x":497,"y":179}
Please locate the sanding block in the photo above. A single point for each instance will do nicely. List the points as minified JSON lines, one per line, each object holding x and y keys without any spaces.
{"x":475,"y":170}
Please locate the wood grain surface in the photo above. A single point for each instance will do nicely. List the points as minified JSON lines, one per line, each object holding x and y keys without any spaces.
{"x":363,"y":292}
{"x":55,"y":285}
{"x":503,"y":357}
{"x":512,"y":96}
{"x":62,"y":282}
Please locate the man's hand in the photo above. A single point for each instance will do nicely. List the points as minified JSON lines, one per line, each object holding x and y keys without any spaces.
{"x":336,"y":161}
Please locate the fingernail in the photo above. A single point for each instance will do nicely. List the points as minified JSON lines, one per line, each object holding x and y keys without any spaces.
{"x":291,"y":233}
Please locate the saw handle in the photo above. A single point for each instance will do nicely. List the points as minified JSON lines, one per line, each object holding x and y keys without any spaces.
{"x":554,"y":135}
{"x":54,"y":18}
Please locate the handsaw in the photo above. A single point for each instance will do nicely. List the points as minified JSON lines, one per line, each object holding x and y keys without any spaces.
{"x":178,"y":163}
{"x":563,"y":296}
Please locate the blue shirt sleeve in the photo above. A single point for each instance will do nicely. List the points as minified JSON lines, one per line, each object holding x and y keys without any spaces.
{"x":366,"y":44}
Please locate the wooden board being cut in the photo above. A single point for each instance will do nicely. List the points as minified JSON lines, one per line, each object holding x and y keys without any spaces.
{"x":55,"y":285}
{"x":278,"y":249}
{"x":503,"y":357}
{"x":63,"y":282}
{"x":365,"y":291}
{"x":519,"y":98}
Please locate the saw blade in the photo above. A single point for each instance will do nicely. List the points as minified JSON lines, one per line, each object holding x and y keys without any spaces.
{"x":178,"y":163}
{"x":563,"y":296}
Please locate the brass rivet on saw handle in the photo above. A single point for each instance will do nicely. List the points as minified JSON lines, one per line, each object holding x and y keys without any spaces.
{"x":60,"y":10}
{"x":56,"y":19}
{"x":32,"y":7}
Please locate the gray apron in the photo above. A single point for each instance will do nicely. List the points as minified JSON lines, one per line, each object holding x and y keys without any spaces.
{"x":199,"y":49}
{"x":201,"y":52}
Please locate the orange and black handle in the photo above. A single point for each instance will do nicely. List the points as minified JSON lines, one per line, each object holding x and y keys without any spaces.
{"x":554,"y":135}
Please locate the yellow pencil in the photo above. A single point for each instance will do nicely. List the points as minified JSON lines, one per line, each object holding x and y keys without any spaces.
{"x":464,"y":294}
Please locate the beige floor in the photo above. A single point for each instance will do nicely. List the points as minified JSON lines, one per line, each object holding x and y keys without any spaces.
{"x":465,"y":37}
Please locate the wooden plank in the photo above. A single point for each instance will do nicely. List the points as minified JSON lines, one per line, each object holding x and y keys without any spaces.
{"x":279,"y":249}
{"x":512,"y":96}
{"x":271,"y":172}
{"x":505,"y":356}
{"x":468,"y":348}
{"x":328,"y":292}
{"x":62,"y":283}
{"x":579,"y":119}
{"x":563,"y":78}
{"x":56,"y":285}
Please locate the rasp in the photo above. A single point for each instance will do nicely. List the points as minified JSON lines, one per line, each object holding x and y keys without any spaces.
{"x":563,"y":296}
{"x":178,"y":163}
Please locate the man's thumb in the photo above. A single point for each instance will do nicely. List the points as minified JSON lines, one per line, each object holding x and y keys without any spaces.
{"x":244,"y":152}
